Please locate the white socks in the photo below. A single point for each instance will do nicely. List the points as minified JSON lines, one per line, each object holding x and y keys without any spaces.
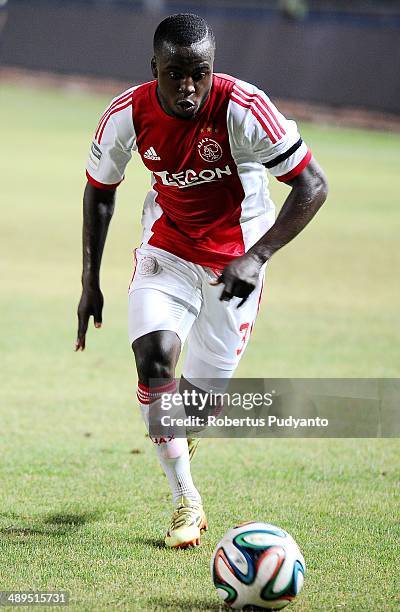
{"x":173,"y":453}
{"x":178,"y":473}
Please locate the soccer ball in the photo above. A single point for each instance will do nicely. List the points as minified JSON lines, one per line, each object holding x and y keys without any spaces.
{"x":257,"y":565}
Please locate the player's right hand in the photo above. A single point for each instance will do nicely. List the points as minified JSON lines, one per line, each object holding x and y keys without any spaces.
{"x":90,"y":304}
{"x":240,"y":278}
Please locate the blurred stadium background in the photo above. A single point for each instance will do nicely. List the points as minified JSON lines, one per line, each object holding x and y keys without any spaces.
{"x":334,"y":52}
{"x":79,"y":511}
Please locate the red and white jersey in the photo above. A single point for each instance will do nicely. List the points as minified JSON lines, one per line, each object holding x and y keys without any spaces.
{"x":209,"y":199}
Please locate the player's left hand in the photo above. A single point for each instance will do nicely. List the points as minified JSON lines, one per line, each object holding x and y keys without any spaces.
{"x":240,"y":278}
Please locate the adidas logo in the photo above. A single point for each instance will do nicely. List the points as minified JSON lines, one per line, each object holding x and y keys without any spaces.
{"x":151,"y":154}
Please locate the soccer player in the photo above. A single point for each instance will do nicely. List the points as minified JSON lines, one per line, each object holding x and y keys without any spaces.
{"x":208,"y":225}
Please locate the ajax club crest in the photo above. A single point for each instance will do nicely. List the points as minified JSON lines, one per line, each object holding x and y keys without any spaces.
{"x":209,"y":150}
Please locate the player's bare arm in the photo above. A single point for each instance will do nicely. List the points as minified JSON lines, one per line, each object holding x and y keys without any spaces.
{"x":98,"y":208}
{"x":308,"y":193}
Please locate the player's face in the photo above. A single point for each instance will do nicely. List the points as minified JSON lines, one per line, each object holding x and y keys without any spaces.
{"x":184,"y":77}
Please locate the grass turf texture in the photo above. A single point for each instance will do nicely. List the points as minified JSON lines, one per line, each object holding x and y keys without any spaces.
{"x":84,"y":504}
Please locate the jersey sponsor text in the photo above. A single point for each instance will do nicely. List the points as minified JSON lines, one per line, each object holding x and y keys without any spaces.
{"x":190,"y":177}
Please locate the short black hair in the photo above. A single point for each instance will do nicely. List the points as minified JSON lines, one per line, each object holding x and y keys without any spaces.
{"x":183,"y":29}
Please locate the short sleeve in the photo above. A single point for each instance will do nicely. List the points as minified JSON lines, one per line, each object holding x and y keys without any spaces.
{"x":259,"y":132}
{"x":113,"y":143}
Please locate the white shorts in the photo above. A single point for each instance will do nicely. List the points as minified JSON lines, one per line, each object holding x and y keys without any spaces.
{"x":169,"y":293}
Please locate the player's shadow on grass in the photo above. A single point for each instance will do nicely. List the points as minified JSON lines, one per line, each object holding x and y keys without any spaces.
{"x":185,"y":604}
{"x":157,"y":543}
{"x":154,"y":542}
{"x":55,"y":524}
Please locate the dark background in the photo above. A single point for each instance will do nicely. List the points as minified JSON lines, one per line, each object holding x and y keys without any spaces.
{"x":337,"y":53}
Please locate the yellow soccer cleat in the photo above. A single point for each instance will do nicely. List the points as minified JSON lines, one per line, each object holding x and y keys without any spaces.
{"x":187,"y":523}
{"x":192,"y":446}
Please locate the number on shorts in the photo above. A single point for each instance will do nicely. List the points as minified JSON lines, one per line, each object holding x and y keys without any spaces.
{"x":245,"y":329}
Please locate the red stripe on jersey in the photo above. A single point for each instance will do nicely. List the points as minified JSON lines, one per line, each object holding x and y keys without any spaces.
{"x":115,"y":110}
{"x":256,"y":115}
{"x":299,"y":168}
{"x":255,"y":102}
{"x":117,"y":102}
{"x":265,"y":104}
{"x":267,"y":110}
{"x":95,"y":183}
{"x":226,"y":77}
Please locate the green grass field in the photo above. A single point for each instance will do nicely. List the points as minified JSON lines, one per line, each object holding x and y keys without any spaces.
{"x":84,"y":505}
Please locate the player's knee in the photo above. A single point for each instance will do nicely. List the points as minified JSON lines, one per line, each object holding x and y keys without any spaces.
{"x":153,"y":367}
{"x":156,"y":357}
{"x":159,"y":370}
